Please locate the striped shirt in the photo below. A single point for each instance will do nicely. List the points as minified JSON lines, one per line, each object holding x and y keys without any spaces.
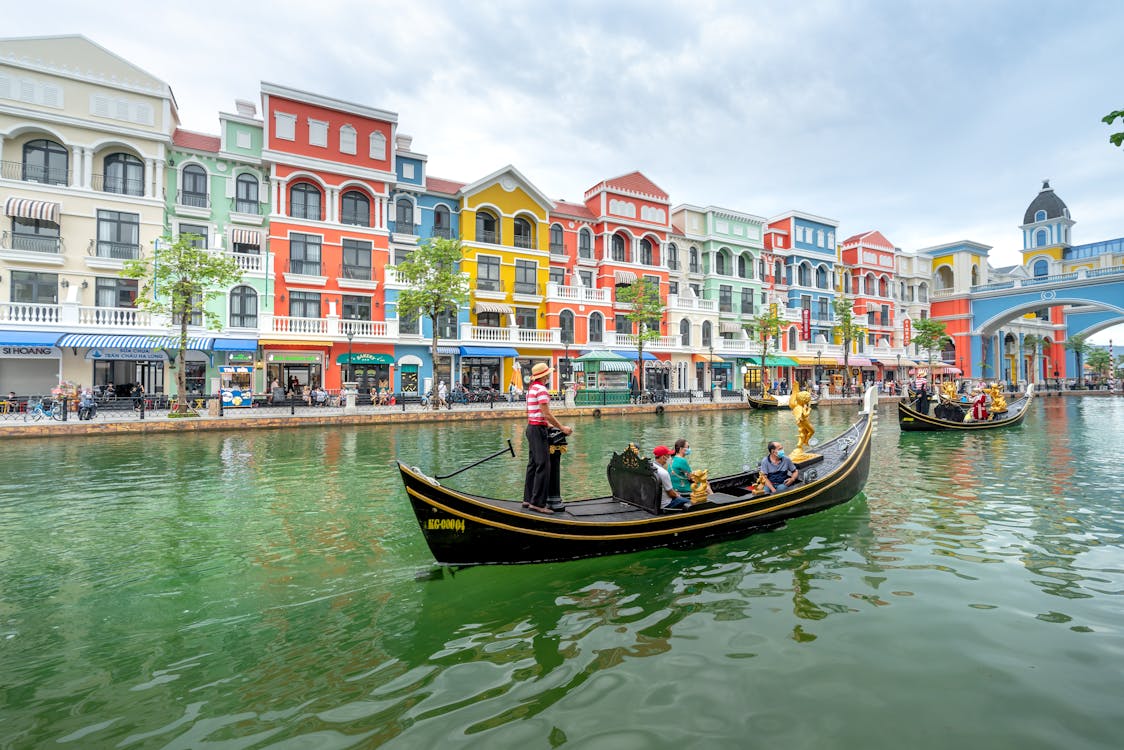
{"x":537,"y":395}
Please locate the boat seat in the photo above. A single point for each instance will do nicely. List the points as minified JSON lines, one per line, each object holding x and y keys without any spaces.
{"x":632,"y":480}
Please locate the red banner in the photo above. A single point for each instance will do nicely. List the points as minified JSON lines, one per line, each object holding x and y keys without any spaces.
{"x":806,"y":324}
{"x":907,"y":332}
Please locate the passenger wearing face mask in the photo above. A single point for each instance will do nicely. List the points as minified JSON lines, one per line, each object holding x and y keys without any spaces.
{"x":680,"y":469}
{"x":778,"y":469}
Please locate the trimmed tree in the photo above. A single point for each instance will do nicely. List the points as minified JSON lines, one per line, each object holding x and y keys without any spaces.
{"x":434,"y":286}
{"x":177,"y":282}
{"x":1080,"y":347}
{"x":1099,"y":362}
{"x":764,"y":327}
{"x":929,"y":335}
{"x":645,"y":315}
{"x":848,"y":329}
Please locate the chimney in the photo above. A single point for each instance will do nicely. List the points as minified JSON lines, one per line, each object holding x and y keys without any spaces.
{"x":404,"y":141}
{"x":245,"y":107}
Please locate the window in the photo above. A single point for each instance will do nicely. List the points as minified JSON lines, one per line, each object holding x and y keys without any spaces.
{"x":304,"y":304}
{"x":246,"y":194}
{"x":124,"y":175}
{"x":695,"y":289}
{"x":791,"y":339}
{"x":720,"y":263}
{"x":356,"y":307}
{"x":199,"y":230}
{"x":566,"y":324}
{"x":868,"y":284}
{"x":118,"y":235}
{"x":408,"y":324}
{"x":304,"y":257}
{"x":194,"y":191}
{"x":347,"y":139}
{"x":747,"y":301}
{"x":646,"y":252}
{"x":304,"y":201}
{"x":378,"y":146}
{"x":1040,"y":215}
{"x":526,"y":277}
{"x":821,"y":277}
{"x":526,"y":318}
{"x":673,"y":287}
{"x":744,"y":267}
{"x":725,"y":298}
{"x":442,"y":222}
{"x":821,"y":312}
{"x":45,"y":161}
{"x":41,"y":288}
{"x":587,"y":278}
{"x":357,"y":260}
{"x":623,"y":324}
{"x":524,"y":234}
{"x":557,"y":275}
{"x":885,"y":317}
{"x":884,"y":289}
{"x":115,"y":292}
{"x":693,"y":260}
{"x":35,"y":235}
{"x":487,"y":227}
{"x":317,"y":133}
{"x":684,"y":332}
{"x":805,"y":274}
{"x":618,"y":248}
{"x":243,"y":307}
{"x":707,"y":337}
{"x":778,"y":272}
{"x":585,"y":244}
{"x":488,"y":273}
{"x":596,"y":327}
{"x":805,"y":302}
{"x":404,"y":216}
{"x":1041,"y":268}
{"x":1041,"y":238}
{"x":673,"y":257}
{"x":285,"y":126}
{"x":447,"y":324}
{"x":556,"y":245}
{"x":761,"y":268}
{"x":355,"y":209}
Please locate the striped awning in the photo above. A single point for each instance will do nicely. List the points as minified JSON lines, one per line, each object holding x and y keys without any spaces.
{"x":612,"y":365}
{"x":625,"y":277}
{"x":245,"y":237}
{"x":729,"y":326}
{"x":25,"y":208}
{"x":493,"y":307}
{"x":104,"y":341}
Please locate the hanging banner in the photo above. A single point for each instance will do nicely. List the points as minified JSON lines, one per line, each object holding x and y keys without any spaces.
{"x":907,"y":331}
{"x":806,"y":324}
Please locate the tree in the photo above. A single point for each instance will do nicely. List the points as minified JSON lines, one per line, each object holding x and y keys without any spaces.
{"x":434,"y":286}
{"x":847,"y":328}
{"x":1035,"y":343}
{"x":1116,"y":139}
{"x":929,"y":334}
{"x":645,"y":315}
{"x":1099,"y":362}
{"x":766,"y":326}
{"x":1080,"y":348}
{"x":177,"y":282}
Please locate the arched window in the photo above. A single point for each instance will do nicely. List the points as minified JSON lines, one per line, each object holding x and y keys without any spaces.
{"x":778,"y":273}
{"x":684,"y":332}
{"x":944,"y":278}
{"x":1041,"y":267}
{"x":556,"y":244}
{"x":883,"y":287}
{"x":355,"y":209}
{"x":791,"y":339}
{"x":821,"y":277}
{"x":743,"y":267}
{"x":243,"y":307}
{"x":975,"y":275}
{"x":246,"y":194}
{"x":442,"y":222}
{"x":1040,"y":215}
{"x":487,"y":227}
{"x":761,"y":268}
{"x":673,"y":257}
{"x":45,"y":161}
{"x":194,"y":191}
{"x":404,"y":216}
{"x":646,"y":252}
{"x":901,"y":291}
{"x":524,"y":233}
{"x":805,"y":274}
{"x":923,"y":293}
{"x":617,"y":251}
{"x":304,"y":201}
{"x":693,"y":260}
{"x":1041,"y":238}
{"x":566,"y":323}
{"x":347,"y":139}
{"x":124,"y":175}
{"x":585,"y":244}
{"x":707,"y":338}
{"x":868,"y":284}
{"x":720,"y":263}
{"x":846,"y":283}
{"x":596,"y":327}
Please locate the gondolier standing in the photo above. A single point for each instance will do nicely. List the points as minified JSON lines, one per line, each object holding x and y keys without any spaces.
{"x":539,"y":418}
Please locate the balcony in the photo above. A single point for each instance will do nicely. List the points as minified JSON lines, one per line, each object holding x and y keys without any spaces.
{"x":197,"y":205}
{"x":691,"y":303}
{"x":527,"y":288}
{"x":723,"y":346}
{"x":356,"y":277}
{"x":628,"y":341}
{"x":557,"y":249}
{"x":15,"y":170}
{"x":243,"y":211}
{"x":305,"y":272}
{"x":114,"y":317}
{"x":29,"y":313}
{"x":485,"y":236}
{"x":247,"y":263}
{"x":102,"y":254}
{"x":525,"y":336}
{"x":525,"y":242}
{"x":444,"y":233}
{"x":118,"y":185}
{"x":579,"y":294}
{"x":299,"y":326}
{"x":31,"y":248}
{"x":369,"y":329}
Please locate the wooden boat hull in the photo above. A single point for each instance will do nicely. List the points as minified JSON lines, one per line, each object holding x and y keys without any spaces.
{"x":464,"y":529}
{"x":757,"y":403}
{"x":912,"y":420}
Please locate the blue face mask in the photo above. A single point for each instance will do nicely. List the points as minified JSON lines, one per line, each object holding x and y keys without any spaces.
{"x":687,"y":452}
{"x":780,"y":453}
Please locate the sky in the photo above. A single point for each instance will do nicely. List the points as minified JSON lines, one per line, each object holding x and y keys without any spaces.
{"x":930,"y":122}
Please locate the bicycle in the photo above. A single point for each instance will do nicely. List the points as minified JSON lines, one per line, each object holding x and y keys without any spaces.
{"x":38,"y":411}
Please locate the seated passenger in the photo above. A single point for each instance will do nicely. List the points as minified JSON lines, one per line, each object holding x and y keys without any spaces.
{"x":680,"y":469}
{"x":777,"y":469}
{"x":670,"y":498}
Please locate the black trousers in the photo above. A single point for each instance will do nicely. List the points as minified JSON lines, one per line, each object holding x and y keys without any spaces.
{"x":537,"y":484}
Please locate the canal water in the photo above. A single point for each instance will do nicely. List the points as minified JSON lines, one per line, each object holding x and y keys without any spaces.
{"x":259,"y":590}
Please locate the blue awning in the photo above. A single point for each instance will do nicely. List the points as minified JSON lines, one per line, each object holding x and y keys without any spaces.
{"x":488,"y":351}
{"x":631,"y":354}
{"x":104,"y":341}
{"x":29,"y":338}
{"x":448,"y":350}
{"x":236,"y":345}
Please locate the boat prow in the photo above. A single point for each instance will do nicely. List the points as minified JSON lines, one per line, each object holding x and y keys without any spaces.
{"x":912,"y":417}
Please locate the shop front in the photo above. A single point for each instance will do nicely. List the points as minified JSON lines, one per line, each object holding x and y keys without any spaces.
{"x":237,"y":386}
{"x":483,"y":366}
{"x":371,"y":371}
{"x":521,"y":372}
{"x":126,"y":361}
{"x":30,"y":363}
{"x":294,"y":370}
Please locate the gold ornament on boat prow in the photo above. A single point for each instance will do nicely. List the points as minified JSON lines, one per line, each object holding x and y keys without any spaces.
{"x":948,"y":392}
{"x":759,"y":486}
{"x":631,"y":457}
{"x":801,"y":404}
{"x":998,"y":403}
{"x":698,"y":479}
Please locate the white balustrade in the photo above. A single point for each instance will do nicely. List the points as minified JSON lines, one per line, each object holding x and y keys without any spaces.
{"x":692,"y":303}
{"x":28,"y":312}
{"x":313,"y":326}
{"x":114,"y":317}
{"x":247,"y":263}
{"x":577,"y":293}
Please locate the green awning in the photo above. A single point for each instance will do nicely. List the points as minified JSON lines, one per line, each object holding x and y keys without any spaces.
{"x":772,"y":361}
{"x":602,"y":355}
{"x":364,"y":358}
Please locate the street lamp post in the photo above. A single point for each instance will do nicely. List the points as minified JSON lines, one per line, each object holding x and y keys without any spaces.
{"x":710,"y":350}
{"x":350,"y":367}
{"x":569,"y":371}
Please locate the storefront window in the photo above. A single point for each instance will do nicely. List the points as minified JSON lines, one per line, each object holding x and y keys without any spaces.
{"x":409,"y":378}
{"x":481,"y":372}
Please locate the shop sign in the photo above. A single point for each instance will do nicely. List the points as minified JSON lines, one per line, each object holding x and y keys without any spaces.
{"x":29,"y":352}
{"x":135,"y":354}
{"x":806,"y":324}
{"x":295,"y":357}
{"x":237,"y":368}
{"x":907,"y":331}
{"x":240,"y":357}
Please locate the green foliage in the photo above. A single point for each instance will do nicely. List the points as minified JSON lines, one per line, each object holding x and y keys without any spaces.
{"x":1080,"y":347}
{"x":766,"y":326}
{"x":1116,"y":139}
{"x":1099,"y":361}
{"x":929,"y":335}
{"x":645,"y":315}
{"x":177,"y":282}
{"x":847,"y":326}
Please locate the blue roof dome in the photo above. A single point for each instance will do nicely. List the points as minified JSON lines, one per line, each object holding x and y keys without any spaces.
{"x":1047,"y":201}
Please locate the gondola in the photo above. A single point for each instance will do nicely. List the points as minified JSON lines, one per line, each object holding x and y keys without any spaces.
{"x":911,"y":418}
{"x":773,"y":402}
{"x":464,"y":529}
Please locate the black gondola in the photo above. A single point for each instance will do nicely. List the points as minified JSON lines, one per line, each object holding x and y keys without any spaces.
{"x":773,"y":402}
{"x":916,"y":416}
{"x":466,"y":529}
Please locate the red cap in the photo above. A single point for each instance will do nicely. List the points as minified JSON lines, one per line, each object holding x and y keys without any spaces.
{"x":661,"y":450}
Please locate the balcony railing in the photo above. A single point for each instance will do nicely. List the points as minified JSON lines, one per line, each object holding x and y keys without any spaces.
{"x":114,"y":317}
{"x":577,"y":293}
{"x":489,"y":285}
{"x":285,"y":324}
{"x":119,"y":185}
{"x":15,"y":170}
{"x":194,"y":200}
{"x":485,"y":236}
{"x":356,"y":219}
{"x":444,"y":233}
{"x":114,"y":250}
{"x":557,"y":249}
{"x":304,"y":267}
{"x":524,"y":287}
{"x":362,"y":273}
{"x":31,"y":243}
{"x":244,"y":206}
{"x":524,"y":242}
{"x":549,"y":336}
{"x":28,"y":312}
{"x":368,"y":328}
{"x":696,"y":303}
{"x":247,"y":263}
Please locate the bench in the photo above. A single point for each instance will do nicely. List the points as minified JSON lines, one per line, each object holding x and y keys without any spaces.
{"x":632,"y":480}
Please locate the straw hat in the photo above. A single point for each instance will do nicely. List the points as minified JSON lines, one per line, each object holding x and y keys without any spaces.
{"x":541,"y":370}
